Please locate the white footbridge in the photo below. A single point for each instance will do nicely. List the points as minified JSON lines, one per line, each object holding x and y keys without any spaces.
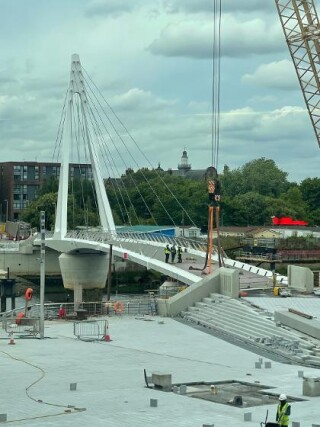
{"x":141,"y":248}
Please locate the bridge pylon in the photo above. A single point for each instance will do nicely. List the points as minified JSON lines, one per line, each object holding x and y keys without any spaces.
{"x":77,"y":89}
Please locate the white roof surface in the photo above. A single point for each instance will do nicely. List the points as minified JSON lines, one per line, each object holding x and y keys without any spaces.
{"x":307,"y":305}
{"x":110,"y":382}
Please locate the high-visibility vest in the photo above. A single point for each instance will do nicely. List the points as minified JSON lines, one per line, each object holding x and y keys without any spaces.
{"x":166,"y":250}
{"x":283,"y":419}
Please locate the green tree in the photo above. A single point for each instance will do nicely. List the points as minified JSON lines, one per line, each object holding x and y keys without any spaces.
{"x":248,"y":209}
{"x":47,"y":203}
{"x":264,"y":177}
{"x":49,"y":185}
{"x":310,"y":189}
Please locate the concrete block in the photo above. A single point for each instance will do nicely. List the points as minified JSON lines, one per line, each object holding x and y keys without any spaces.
{"x":207,"y":425}
{"x":311,"y":386}
{"x":247,"y":416}
{"x":213,"y":389}
{"x":175,"y":389}
{"x":183,"y":389}
{"x":73,"y":386}
{"x":257,"y":365}
{"x":267,"y":365}
{"x":162,"y":381}
{"x":300,"y":374}
{"x":313,"y":425}
{"x":153,"y":403}
{"x":3,"y":418}
{"x":300,"y":278}
{"x":295,"y":424}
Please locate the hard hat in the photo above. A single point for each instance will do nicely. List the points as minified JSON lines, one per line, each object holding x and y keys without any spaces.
{"x":282,"y":397}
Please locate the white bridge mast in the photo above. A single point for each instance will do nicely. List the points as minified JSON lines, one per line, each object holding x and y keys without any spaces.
{"x":76,"y":87}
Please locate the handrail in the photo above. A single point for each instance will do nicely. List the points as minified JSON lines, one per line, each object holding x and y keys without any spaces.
{"x":135,"y":237}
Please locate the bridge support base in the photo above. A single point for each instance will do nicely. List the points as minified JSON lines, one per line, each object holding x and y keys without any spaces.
{"x":83,"y":271}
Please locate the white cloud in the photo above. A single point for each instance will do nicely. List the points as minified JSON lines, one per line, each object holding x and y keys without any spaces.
{"x":137,"y":99}
{"x":196,"y":6}
{"x":164,"y":103}
{"x":275,"y":75}
{"x":193,"y":38}
{"x":99,"y":8}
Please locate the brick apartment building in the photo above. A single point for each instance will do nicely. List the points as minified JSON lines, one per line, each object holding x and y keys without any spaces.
{"x":20,"y":183}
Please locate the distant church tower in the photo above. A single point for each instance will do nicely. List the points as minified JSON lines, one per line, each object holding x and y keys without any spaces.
{"x":184,"y":166}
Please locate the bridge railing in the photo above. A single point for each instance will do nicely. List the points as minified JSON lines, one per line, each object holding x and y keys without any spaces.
{"x":160,"y":239}
{"x":155,"y":239}
{"x":92,"y":309}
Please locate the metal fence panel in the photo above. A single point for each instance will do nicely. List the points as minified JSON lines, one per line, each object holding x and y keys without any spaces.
{"x":23,"y":326}
{"x":91,"y":330}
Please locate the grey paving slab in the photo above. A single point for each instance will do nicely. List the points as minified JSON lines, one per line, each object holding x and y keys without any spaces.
{"x":110,"y":383}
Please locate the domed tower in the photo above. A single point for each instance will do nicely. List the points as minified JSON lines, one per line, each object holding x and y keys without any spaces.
{"x":184,"y":166}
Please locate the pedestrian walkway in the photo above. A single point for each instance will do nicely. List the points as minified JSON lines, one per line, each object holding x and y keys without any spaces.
{"x":110,"y":389}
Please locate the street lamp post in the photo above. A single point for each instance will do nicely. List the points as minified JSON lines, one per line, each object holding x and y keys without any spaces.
{"x":42,"y":270}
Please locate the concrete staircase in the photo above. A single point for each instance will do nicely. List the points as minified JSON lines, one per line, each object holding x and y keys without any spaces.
{"x":238,"y":321}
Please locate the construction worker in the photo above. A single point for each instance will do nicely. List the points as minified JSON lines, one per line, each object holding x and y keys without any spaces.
{"x":167,"y":253}
{"x":173,"y":253}
{"x":62,"y":312}
{"x":283,"y":411}
{"x":179,"y":254}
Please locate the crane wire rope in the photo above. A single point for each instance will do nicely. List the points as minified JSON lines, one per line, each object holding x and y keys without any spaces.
{"x":214,"y":208}
{"x":216,"y":112}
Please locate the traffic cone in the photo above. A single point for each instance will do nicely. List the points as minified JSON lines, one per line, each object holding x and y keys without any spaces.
{"x":107,"y":335}
{"x":11,"y":341}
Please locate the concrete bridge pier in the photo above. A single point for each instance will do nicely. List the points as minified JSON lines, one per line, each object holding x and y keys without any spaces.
{"x":83,"y":270}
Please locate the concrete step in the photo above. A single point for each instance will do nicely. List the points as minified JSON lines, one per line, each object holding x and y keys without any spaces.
{"x":249,"y":323}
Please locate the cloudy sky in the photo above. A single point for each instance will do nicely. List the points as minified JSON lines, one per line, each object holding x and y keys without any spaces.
{"x":152,"y":61}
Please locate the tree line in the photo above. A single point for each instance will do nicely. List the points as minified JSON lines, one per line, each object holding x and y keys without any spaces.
{"x":251,"y":195}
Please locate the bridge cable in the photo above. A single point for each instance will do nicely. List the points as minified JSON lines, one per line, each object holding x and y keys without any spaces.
{"x":134,"y":160}
{"x":104,"y":146}
{"x":59,"y":136}
{"x":139,"y":149}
